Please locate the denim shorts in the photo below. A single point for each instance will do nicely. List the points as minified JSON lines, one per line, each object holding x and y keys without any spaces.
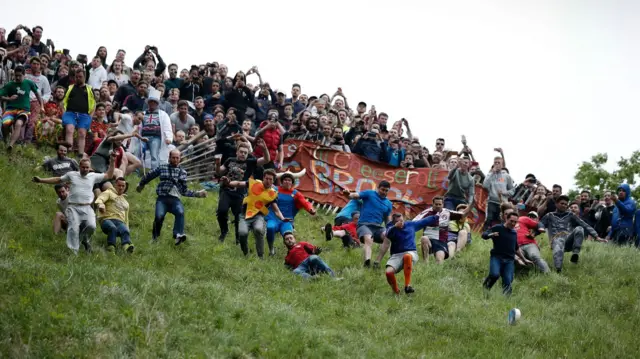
{"x":78,"y":120}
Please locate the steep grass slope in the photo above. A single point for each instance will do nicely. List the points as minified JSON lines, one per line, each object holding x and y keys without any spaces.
{"x":204,"y":299}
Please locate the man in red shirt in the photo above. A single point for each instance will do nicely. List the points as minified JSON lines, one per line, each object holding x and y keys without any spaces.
{"x":303,"y":258}
{"x":528,"y":227}
{"x":346,"y":231}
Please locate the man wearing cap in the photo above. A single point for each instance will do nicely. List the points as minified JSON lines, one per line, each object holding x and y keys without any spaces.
{"x":527,"y":230}
{"x":78,"y":104}
{"x":289,"y":202}
{"x":281,"y":102}
{"x":156,"y":127}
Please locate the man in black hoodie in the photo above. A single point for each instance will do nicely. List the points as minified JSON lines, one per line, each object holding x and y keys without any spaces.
{"x":239,"y":97}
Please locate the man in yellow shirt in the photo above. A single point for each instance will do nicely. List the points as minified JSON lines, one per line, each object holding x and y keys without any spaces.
{"x":114,"y":215}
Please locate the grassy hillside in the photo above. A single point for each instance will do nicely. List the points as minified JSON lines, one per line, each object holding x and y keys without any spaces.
{"x":204,"y":299}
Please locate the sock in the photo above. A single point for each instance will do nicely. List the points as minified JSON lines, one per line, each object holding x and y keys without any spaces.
{"x":391,"y":279}
{"x":407,"y":260}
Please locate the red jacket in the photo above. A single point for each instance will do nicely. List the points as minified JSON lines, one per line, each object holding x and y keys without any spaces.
{"x":525,"y":225}
{"x":272,"y":138}
{"x":298,"y":253}
{"x":350,"y":228}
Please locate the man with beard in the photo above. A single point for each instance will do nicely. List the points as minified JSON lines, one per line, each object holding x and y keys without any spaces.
{"x":60,"y":164}
{"x":128,"y":89}
{"x":238,"y":168}
{"x":296,"y":132}
{"x":337,"y":141}
{"x":79,"y":212}
{"x":376,"y":209}
{"x":313,"y":134}
{"x":289,"y":202}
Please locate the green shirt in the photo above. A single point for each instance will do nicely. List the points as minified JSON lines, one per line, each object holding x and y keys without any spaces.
{"x":23,"y":90}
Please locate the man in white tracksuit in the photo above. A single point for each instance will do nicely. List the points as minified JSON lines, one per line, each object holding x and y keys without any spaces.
{"x":79,"y":212}
{"x":156,"y":127}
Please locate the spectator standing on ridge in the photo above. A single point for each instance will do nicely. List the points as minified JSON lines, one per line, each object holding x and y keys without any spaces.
{"x":78,"y":103}
{"x":500,"y":186}
{"x":461,"y":186}
{"x":17,"y":94}
{"x":622,"y":220}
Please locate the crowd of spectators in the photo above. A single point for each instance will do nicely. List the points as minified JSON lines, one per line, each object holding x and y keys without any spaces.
{"x":94,"y":105}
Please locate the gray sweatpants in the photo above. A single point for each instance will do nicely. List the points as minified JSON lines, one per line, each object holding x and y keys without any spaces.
{"x":570,"y":243}
{"x":79,"y":216}
{"x":532,"y":253}
{"x":258,"y":226}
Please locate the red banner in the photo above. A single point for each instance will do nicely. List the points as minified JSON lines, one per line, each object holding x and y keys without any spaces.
{"x":330,"y":171}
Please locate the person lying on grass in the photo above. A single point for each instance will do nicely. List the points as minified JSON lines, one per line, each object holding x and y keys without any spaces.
{"x":346,"y":231}
{"x":401,"y":236}
{"x":303,"y":258}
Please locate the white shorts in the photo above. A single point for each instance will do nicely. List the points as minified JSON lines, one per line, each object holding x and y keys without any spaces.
{"x":396,"y":261}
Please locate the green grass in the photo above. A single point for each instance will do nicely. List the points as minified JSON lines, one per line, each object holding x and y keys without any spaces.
{"x":204,"y":299}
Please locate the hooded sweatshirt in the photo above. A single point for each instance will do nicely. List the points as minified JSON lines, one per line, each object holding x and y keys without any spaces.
{"x":496,"y":183}
{"x":624,"y":211}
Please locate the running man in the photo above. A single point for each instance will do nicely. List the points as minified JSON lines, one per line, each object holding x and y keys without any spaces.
{"x":566,"y":232}
{"x":401,"y":236}
{"x":376,"y":209}
{"x":173,"y":183}
{"x":79,"y":212}
{"x":501,"y":261}
{"x":16,"y":93}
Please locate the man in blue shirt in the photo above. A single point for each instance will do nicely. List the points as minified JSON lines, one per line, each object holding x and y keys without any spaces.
{"x":376,"y":208}
{"x":401,"y":236}
{"x":505,"y":244}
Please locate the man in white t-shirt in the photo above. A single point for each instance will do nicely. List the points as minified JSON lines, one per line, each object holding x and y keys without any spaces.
{"x":434,"y":240}
{"x":79,"y":212}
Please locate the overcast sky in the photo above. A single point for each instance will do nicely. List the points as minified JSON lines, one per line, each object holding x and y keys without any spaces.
{"x":551,"y":82}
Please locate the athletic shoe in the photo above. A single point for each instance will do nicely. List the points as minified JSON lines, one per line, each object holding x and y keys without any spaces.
{"x":9,"y":149}
{"x":409,"y":289}
{"x":376,"y":265}
{"x":272,"y":252}
{"x":328,"y":232}
{"x":180,"y":238}
{"x":222,"y":237}
{"x":367,"y":263}
{"x":575,"y":258}
{"x":111,"y":249}
{"x":128,"y":248}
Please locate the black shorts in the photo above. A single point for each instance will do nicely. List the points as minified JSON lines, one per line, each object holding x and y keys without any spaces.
{"x":438,"y":246}
{"x":340,"y":221}
{"x":99,"y":185}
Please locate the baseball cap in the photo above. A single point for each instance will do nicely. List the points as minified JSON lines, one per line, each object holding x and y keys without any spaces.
{"x":74,"y":63}
{"x":113,"y":82}
{"x":208,"y":117}
{"x":125,"y":109}
{"x":281,"y":92}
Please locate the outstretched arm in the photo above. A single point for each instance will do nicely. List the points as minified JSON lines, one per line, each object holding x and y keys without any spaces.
{"x":50,"y":180}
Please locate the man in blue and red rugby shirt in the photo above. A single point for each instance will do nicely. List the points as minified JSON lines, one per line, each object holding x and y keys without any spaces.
{"x":401,"y":236}
{"x":303,"y":258}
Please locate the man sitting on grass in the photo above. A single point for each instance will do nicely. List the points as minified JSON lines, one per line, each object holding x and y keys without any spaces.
{"x":114,"y":216}
{"x":60,"y":221}
{"x":303,"y":258}
{"x":346,"y":231}
{"x":401,"y":235}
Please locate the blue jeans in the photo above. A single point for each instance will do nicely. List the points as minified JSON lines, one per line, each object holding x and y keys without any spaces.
{"x":171,"y":205}
{"x":312,"y":266}
{"x":154,"y":145}
{"x":451,"y":203}
{"x":276,"y":225}
{"x":500,"y":267}
{"x":114,"y":228}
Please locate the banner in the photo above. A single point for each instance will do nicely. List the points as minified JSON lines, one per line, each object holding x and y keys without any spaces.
{"x":330,"y":171}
